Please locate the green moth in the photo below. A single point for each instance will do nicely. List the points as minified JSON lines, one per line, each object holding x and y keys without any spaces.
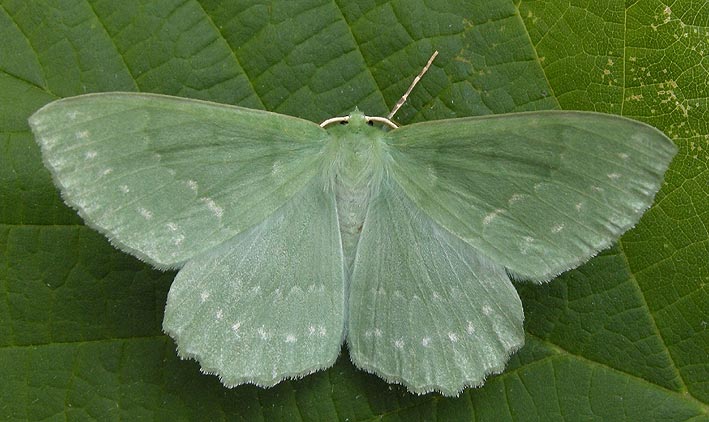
{"x":292,"y":238}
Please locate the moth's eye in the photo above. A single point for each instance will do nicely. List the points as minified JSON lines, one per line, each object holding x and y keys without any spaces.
{"x":344,"y":122}
{"x":370,"y":123}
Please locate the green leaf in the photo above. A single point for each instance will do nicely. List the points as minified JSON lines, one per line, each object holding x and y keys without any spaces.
{"x":623,"y":337}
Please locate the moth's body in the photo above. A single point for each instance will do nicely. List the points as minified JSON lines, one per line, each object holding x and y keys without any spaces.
{"x":290,"y":238}
{"x":354,"y":165}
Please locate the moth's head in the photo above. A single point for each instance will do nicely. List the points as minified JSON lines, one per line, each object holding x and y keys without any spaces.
{"x":357,"y":119}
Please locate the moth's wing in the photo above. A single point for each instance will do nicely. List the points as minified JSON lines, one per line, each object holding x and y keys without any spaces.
{"x":539,"y":192}
{"x":269,"y":303}
{"x":166,"y":178}
{"x":425,"y":308}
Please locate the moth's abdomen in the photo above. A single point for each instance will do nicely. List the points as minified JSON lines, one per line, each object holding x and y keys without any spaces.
{"x":351,"y":210}
{"x":356,"y":174}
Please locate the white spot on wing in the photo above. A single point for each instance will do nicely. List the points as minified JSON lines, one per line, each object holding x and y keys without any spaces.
{"x":263,"y":333}
{"x":124,"y":188}
{"x":399,"y":344}
{"x":235,"y":329}
{"x":192,"y":185}
{"x":487,"y":310}
{"x":579,"y":206}
{"x":526,"y":244}
{"x":213,"y":207}
{"x":204,"y":296}
{"x":425,"y":341}
{"x":38,"y":124}
{"x":107,"y":172}
{"x":455,"y":292}
{"x":377,"y":332}
{"x":613,"y":176}
{"x":316,"y":288}
{"x":290,"y":338}
{"x":431,"y":175}
{"x":276,"y":168}
{"x":49,"y":142}
{"x":177,"y":240}
{"x":380,"y":292}
{"x":56,"y":162}
{"x":82,"y":134}
{"x":515,"y":198}
{"x":146,"y":214}
{"x":90,"y":155}
{"x":470,"y":328}
{"x":623,"y":156}
{"x":488,"y":218}
{"x":236,"y":282}
{"x":453,"y":337}
{"x":559,"y":227}
{"x":220,"y":314}
{"x":322,"y":331}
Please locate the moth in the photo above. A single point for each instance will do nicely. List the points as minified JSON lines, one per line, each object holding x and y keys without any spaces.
{"x":292,"y":238}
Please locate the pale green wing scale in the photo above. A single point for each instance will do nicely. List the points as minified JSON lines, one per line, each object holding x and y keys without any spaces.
{"x":426,"y":309}
{"x":269,"y":303}
{"x":166,"y":178}
{"x":538,"y":193}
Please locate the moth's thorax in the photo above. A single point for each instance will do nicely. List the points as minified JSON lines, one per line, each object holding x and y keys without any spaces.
{"x":358,"y":156}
